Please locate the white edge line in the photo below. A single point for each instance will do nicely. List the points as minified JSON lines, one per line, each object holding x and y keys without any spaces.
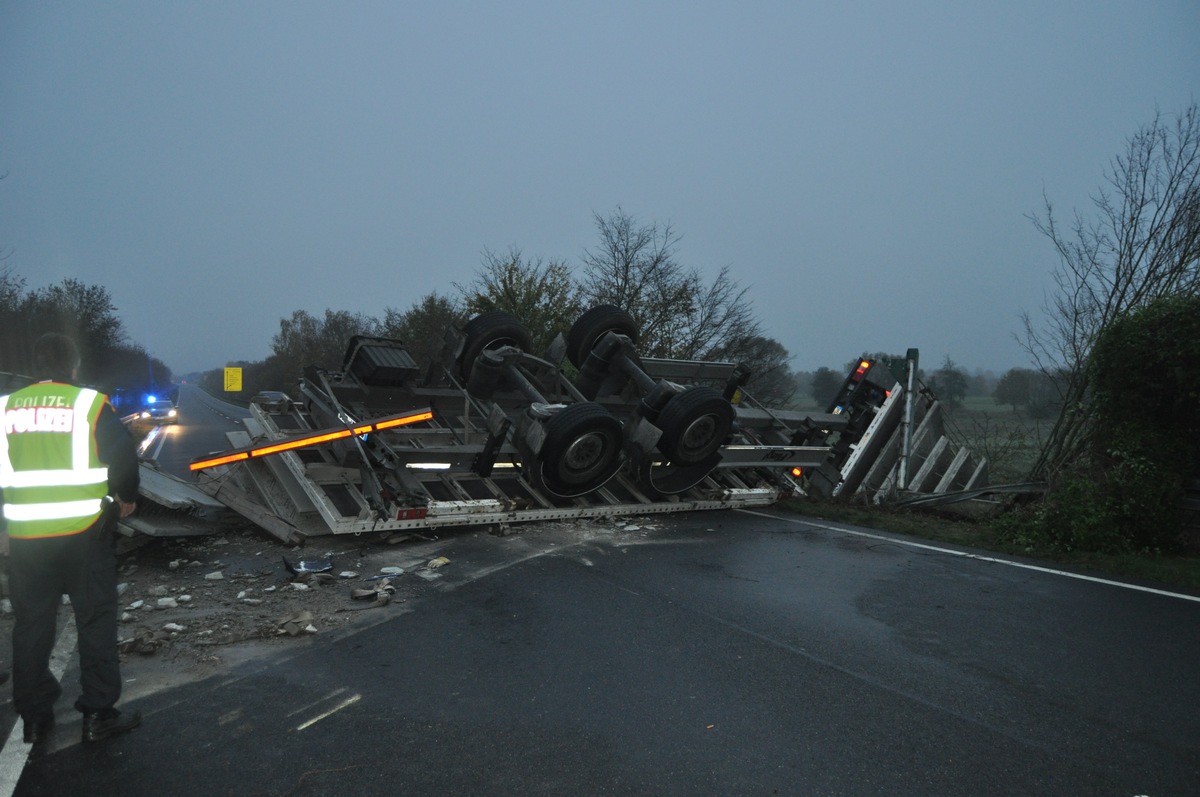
{"x":966,"y":555}
{"x":16,"y":752}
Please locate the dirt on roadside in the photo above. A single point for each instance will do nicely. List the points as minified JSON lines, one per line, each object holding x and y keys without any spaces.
{"x":194,"y":607}
{"x":191,"y":607}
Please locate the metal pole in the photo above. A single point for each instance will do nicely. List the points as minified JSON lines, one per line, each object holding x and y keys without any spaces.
{"x":910,"y":379}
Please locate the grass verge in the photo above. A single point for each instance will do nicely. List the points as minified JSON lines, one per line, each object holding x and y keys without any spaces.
{"x":1168,"y":572}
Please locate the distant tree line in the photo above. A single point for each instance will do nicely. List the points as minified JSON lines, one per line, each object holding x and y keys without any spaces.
{"x":949,"y":383}
{"x":1036,"y":393}
{"x":87,"y":314}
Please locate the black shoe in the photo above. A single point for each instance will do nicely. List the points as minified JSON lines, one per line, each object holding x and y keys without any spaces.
{"x":37,"y":729}
{"x":103,"y":724}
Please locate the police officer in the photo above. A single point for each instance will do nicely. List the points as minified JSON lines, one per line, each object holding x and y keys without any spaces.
{"x":67,"y":467}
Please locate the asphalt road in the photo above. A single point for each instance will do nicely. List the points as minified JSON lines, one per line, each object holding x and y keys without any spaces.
{"x":724,"y":654}
{"x":203,"y":422}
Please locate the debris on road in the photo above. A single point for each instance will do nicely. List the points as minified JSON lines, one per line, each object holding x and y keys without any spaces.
{"x":308,"y":566}
{"x":145,"y":642}
{"x":297,"y":623}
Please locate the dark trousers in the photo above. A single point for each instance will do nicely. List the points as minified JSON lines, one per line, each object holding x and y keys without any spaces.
{"x":41,"y":571}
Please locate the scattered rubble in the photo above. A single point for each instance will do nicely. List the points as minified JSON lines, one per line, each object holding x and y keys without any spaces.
{"x":189,"y":595}
{"x":297,"y":623}
{"x":176,"y":616}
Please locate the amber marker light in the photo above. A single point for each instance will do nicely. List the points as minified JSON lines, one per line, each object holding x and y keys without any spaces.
{"x":323,"y":436}
{"x":225,"y":460}
{"x":312,"y":440}
{"x":403,"y":421}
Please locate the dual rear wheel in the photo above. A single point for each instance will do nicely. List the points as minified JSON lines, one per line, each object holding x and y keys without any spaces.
{"x":582,"y":448}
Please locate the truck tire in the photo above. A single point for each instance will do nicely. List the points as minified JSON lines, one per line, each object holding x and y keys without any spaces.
{"x":694,"y":424}
{"x":581,"y":451}
{"x":491,"y":330}
{"x":593,"y":325}
{"x":658,"y":480}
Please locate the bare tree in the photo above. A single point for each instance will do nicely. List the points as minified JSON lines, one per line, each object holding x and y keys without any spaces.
{"x":541,"y":295}
{"x":1142,"y":243}
{"x":12,"y":288}
{"x":634,"y":267}
{"x":718,"y":315}
{"x":14,"y":345}
{"x":422,"y":327}
{"x":771,"y":381}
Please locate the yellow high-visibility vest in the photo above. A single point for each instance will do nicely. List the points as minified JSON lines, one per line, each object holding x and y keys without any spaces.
{"x":54,"y":483}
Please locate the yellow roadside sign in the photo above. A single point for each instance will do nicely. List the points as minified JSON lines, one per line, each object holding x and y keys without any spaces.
{"x":233,"y":380}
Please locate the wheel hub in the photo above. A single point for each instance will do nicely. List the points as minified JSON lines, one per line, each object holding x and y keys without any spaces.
{"x":699,"y":433}
{"x":584,"y":452}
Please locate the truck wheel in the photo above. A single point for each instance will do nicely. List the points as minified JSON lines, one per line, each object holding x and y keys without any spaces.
{"x":661,"y":480}
{"x":581,"y":451}
{"x":491,"y":330}
{"x":593,"y":325}
{"x":694,"y":424}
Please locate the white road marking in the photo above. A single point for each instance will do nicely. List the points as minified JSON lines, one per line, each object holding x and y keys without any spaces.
{"x":16,"y":752}
{"x":966,"y":555}
{"x":162,"y":438}
{"x":329,"y":696}
{"x":350,"y":701}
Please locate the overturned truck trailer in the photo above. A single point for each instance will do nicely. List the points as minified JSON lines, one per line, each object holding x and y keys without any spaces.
{"x":495,"y":434}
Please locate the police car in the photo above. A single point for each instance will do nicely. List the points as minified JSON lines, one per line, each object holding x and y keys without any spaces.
{"x":160,"y":412}
{"x":150,"y":408}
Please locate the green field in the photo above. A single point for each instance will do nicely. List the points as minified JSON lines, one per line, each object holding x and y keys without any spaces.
{"x":1010,"y":439}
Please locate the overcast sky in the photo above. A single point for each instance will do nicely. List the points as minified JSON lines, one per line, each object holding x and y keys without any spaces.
{"x":866,"y":169}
